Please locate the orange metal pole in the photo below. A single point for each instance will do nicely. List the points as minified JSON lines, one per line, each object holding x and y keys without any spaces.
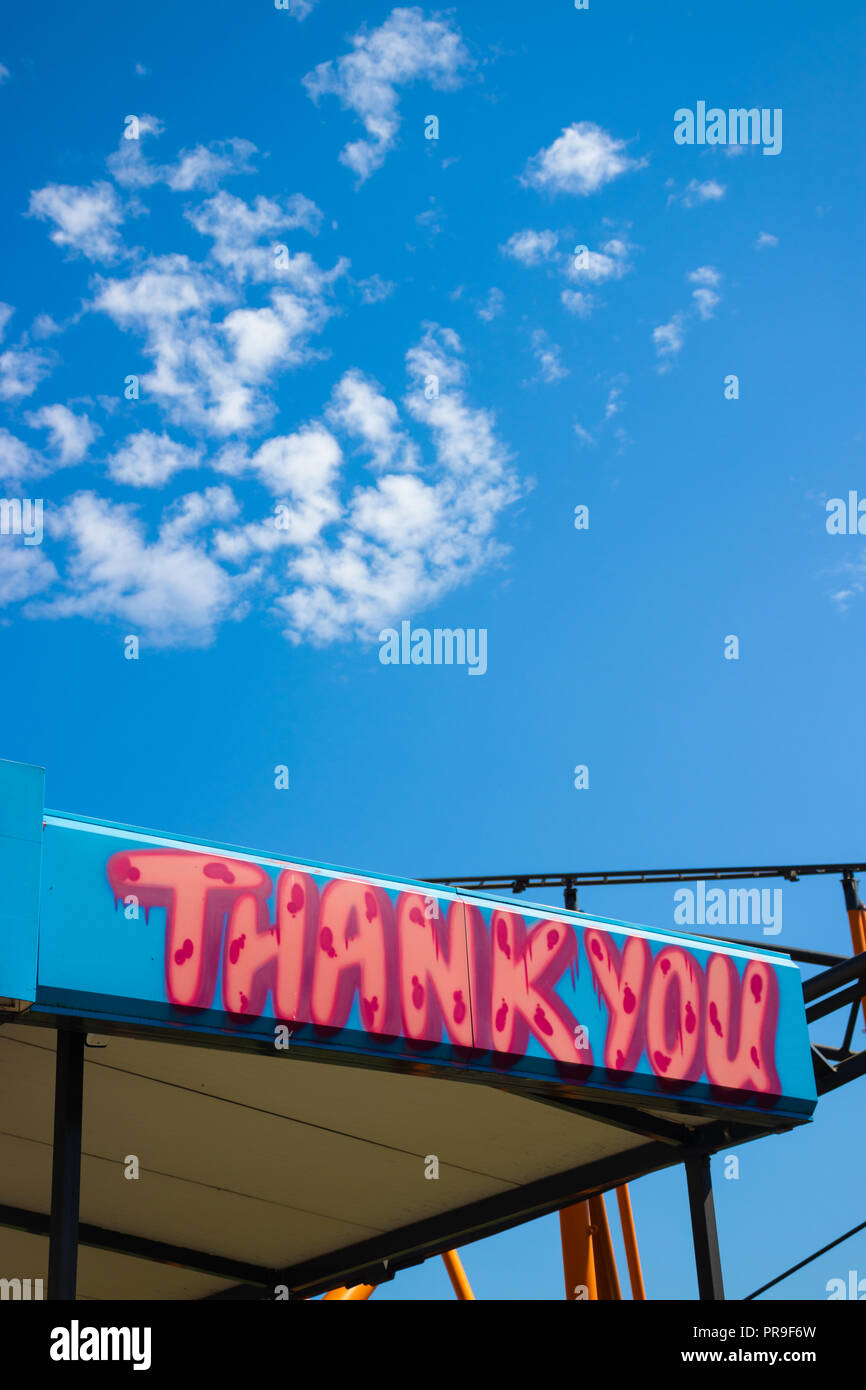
{"x":457,"y":1275}
{"x":856,"y":920}
{"x":355,"y":1293}
{"x":578,"y":1258}
{"x":626,"y":1216}
{"x":605,"y":1261}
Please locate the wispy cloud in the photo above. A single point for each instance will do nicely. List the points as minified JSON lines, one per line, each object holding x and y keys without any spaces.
{"x":530,"y":247}
{"x":551,"y":368}
{"x":669,"y":337}
{"x":407,"y":48}
{"x":696,"y":192}
{"x":492,"y":307}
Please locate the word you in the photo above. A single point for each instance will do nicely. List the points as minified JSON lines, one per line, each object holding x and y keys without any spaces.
{"x":734,"y":127}
{"x":442,"y":647}
{"x":737,"y":906}
{"x":21,"y":518}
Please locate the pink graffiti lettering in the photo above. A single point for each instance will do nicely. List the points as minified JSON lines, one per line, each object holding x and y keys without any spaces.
{"x":743,"y":1016}
{"x":360,"y":958}
{"x":525,"y":969}
{"x":674,"y":1039}
{"x":430,"y":970}
{"x":621,"y":980}
{"x":434,"y":971}
{"x":261,"y":958}
{"x":196,"y":900}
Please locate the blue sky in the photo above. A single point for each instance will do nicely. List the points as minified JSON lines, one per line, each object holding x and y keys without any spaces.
{"x":301,"y":385}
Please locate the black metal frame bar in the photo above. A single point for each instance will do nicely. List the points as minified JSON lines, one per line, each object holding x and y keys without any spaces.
{"x":66,"y":1165}
{"x":37,"y":1223}
{"x":802,"y":1263}
{"x":708,"y":1262}
{"x":575,"y":878}
{"x":825,"y":994}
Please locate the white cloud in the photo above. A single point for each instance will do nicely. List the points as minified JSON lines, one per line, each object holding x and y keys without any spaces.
{"x":405,"y":49}
{"x":44,"y":326}
{"x":695,"y":193}
{"x":302,"y":471}
{"x":411,"y":537}
{"x":336,"y":554}
{"x":21,"y":370}
{"x":86,"y":220}
{"x":17,"y":459}
{"x":582,"y":265}
{"x":706,"y":301}
{"x":431,"y":218}
{"x":4,"y":74}
{"x":165,"y":290}
{"x":492,"y":306}
{"x":170,"y":592}
{"x":704,"y":275}
{"x":360,"y":409}
{"x":215,"y":375}
{"x":70,"y":435}
{"x":530,"y":247}
{"x":24,"y":571}
{"x":582,"y":160}
{"x":595,"y":267}
{"x":766,"y":239}
{"x":706,"y":278}
{"x":197,"y":510}
{"x":550,"y":365}
{"x":237,"y":230}
{"x":149,"y":460}
{"x":6,"y":312}
{"x":299,"y":8}
{"x":669,"y":337}
{"x":374,"y":289}
{"x":128,"y":164}
{"x":576,"y":302}
{"x":204,"y":166}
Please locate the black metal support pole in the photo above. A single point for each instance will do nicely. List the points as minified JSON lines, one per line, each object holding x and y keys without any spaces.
{"x":707,"y":1259}
{"x":66,"y":1171}
{"x":570,"y":896}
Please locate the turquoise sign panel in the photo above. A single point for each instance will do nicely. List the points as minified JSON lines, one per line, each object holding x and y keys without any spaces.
{"x":21,"y":790}
{"x":166,"y":932}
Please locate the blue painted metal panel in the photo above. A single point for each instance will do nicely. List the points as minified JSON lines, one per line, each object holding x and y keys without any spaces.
{"x":21,"y":802}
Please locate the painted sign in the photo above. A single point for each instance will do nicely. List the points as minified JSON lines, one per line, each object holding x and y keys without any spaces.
{"x":135,"y":927}
{"x":172,"y":934}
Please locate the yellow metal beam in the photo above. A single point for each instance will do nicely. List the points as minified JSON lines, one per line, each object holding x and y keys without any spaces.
{"x":457,"y":1275}
{"x":605,"y":1261}
{"x":578,"y":1257}
{"x":626,"y":1216}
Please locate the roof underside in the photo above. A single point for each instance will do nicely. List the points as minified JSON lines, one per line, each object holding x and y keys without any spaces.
{"x":260,"y":1164}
